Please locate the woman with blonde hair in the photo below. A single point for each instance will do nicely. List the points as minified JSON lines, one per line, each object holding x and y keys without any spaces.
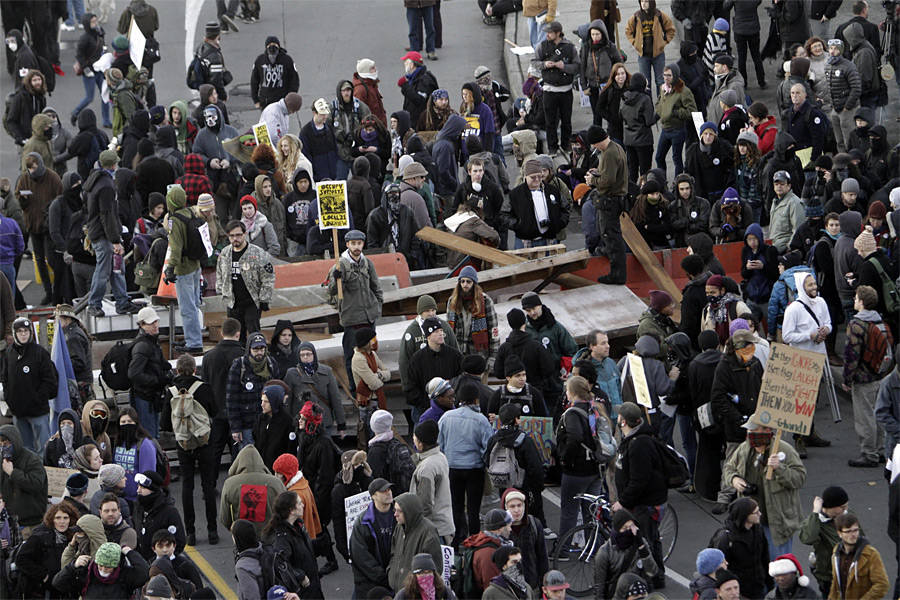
{"x":289,"y":158}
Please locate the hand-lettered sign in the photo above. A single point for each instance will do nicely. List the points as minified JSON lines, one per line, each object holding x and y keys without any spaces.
{"x":790,"y":387}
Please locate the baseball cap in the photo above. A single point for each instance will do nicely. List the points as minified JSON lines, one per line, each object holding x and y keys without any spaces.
{"x":147,"y":315}
{"x":552,"y":26}
{"x":379,"y":485}
{"x":555,"y":580}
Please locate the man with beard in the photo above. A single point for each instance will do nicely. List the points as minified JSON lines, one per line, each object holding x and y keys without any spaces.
{"x":246,"y":378}
{"x":721,"y":309}
{"x":117,"y":529}
{"x":274,"y":75}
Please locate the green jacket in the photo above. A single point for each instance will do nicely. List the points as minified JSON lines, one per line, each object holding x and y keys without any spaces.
{"x":362,"y":291}
{"x":415,"y":536}
{"x":25,"y":489}
{"x":248,"y":469}
{"x":124,"y":104}
{"x":256,"y":271}
{"x":414,"y":340}
{"x":552,"y":335}
{"x":178,"y":238}
{"x":650,"y":323}
{"x":37,"y":143}
{"x":781,"y":493}
{"x":822,"y":536}
{"x":675,"y":108}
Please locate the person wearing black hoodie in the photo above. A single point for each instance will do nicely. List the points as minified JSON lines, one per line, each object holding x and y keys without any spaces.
{"x":710,"y":161}
{"x":285,"y":346}
{"x":167,"y":148}
{"x":274,"y":75}
{"x":781,"y":158}
{"x":360,"y":197}
{"x":156,"y":510}
{"x":877,"y":156}
{"x":392,"y":223}
{"x":445,"y":152}
{"x":137,"y":129}
{"x":694,"y":75}
{"x":693,"y":296}
{"x":87,"y":52}
{"x":152,"y":173}
{"x":203,"y":458}
{"x":638,"y":116}
{"x":744,"y":544}
{"x":29,"y":100}
{"x":215,"y":362}
{"x":297,"y":204}
{"x":274,"y":432}
{"x":59,"y":218}
{"x":88,"y":143}
{"x":416,"y":85}
{"x":535,"y":358}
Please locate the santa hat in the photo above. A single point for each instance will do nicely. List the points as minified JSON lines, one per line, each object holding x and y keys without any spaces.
{"x":788,"y":563}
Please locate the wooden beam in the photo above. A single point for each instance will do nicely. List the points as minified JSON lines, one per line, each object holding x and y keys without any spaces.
{"x":402,"y":302}
{"x":490,"y":254}
{"x":645,"y":256}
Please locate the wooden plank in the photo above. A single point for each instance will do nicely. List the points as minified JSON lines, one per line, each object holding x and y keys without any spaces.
{"x":489,"y":254}
{"x":645,"y":256}
{"x":403,"y":302}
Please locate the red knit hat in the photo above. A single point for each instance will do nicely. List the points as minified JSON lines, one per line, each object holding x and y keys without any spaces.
{"x":286,"y":465}
{"x":660,"y":300}
{"x":788,"y":563}
{"x":250,"y":199}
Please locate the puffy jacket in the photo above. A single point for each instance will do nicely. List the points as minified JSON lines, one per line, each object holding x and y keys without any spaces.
{"x":148,"y":371}
{"x":25,"y":489}
{"x":844,"y":84}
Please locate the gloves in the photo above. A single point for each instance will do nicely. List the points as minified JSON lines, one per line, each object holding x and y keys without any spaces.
{"x":728,"y":228}
{"x":337,"y":273}
{"x":644,"y":551}
{"x":402,"y":81}
{"x":263,"y":307}
{"x":169,"y":275}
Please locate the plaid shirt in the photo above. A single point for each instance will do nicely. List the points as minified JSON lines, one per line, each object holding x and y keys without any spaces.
{"x":194,"y":181}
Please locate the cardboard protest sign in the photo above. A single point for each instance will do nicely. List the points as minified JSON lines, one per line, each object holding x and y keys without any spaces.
{"x":447,"y":555}
{"x":639,"y":380}
{"x":790,"y":387}
{"x":539,"y":429}
{"x":261,"y":133}
{"x":353,"y":507}
{"x":138,"y":42}
{"x":333,"y":210}
{"x":56,"y":480}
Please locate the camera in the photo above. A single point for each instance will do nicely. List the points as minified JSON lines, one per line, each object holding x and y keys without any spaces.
{"x":544,"y":223}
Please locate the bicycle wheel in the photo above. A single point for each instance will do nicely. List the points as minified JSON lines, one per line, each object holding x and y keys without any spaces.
{"x":668,"y":531}
{"x":577,"y":561}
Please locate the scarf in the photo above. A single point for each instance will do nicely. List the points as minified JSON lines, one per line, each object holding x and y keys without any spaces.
{"x":382,"y":437}
{"x":516,"y":580}
{"x":260,"y":367}
{"x":94,"y":572}
{"x":426,"y":586}
{"x":368,"y":136}
{"x":719,"y":314}
{"x":834,"y":237}
{"x":308,"y":368}
{"x":363,"y":393}
{"x":474,"y":305}
{"x":249,"y":223}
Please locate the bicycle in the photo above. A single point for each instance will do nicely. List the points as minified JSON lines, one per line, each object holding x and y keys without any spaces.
{"x":576,"y":561}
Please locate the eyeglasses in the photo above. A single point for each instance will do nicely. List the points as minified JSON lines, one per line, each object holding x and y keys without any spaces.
{"x":854,"y":530}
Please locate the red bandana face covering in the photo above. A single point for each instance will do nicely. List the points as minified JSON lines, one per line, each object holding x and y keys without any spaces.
{"x":759,"y":438}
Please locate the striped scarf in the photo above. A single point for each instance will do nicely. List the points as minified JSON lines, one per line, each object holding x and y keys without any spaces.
{"x":475,"y":306}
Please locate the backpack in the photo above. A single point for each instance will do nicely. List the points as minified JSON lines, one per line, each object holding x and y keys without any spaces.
{"x":146,"y":276}
{"x":190,"y":421}
{"x":605,"y":445}
{"x":878,"y":354}
{"x":114,"y":366}
{"x":7,"y":110}
{"x":464,"y":585}
{"x":674,"y":465}
{"x":194,"y":248}
{"x":503,"y":466}
{"x":162,"y":462}
{"x":888,"y":289}
{"x":195,"y":73}
{"x":276,"y":570}
{"x":401,"y":465}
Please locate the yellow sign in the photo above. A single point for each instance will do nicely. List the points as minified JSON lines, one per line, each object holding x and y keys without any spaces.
{"x":639,"y":380}
{"x":790,"y":387}
{"x":805,"y":156}
{"x":333,"y":213}
{"x":261,"y":133}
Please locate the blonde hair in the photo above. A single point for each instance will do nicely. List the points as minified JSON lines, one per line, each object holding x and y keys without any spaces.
{"x":287,"y":163}
{"x":579,"y":387}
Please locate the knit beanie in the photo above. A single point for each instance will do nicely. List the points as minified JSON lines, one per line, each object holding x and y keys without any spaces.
{"x":110,"y":474}
{"x":516,"y":318}
{"x":721,"y":25}
{"x":737,"y":325}
{"x":286,"y":465}
{"x":108,"y":555}
{"x":834,"y":496}
{"x":865,"y":242}
{"x":512,"y":365}
{"x":877,"y":210}
{"x":850,"y":185}
{"x":425,"y":302}
{"x":895,"y":198}
{"x":708,"y":560}
{"x":364,"y":65}
{"x":245,"y":536}
{"x":660,"y":300}
{"x":275,"y":396}
{"x":381,"y":421}
{"x":469,"y":272}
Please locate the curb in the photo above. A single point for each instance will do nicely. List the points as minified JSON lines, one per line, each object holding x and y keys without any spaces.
{"x":515,"y":74}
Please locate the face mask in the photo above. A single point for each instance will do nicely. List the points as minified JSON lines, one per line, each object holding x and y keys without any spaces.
{"x":757,"y":439}
{"x":98,"y":29}
{"x":212,"y":120}
{"x":98,"y":425}
{"x":712,"y":299}
{"x":394,"y":206}
{"x":652,"y":200}
{"x":623,"y":539}
{"x":128,"y":434}
{"x":67,"y":433}
{"x":514,"y":574}
{"x":833,"y":60}
{"x":272,"y":50}
{"x":745,"y":353}
{"x":147,"y":500}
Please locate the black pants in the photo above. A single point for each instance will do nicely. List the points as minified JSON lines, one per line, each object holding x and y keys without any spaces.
{"x":222,"y":9}
{"x":643,"y":517}
{"x":558,"y":114}
{"x":536,"y":504}
{"x":42,"y":248}
{"x":751,"y":42}
{"x":611,"y":236}
{"x":63,"y":283}
{"x":248,"y":316}
{"x":202,"y":458}
{"x":639,"y":160}
{"x":466,"y":490}
{"x":219,"y":439}
{"x":499,"y":8}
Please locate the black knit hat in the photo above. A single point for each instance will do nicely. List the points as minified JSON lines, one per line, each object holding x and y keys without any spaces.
{"x":474,"y":364}
{"x":427,"y":432}
{"x":516,"y":318}
{"x":512,"y":365}
{"x":834,"y":496}
{"x":364,"y":336}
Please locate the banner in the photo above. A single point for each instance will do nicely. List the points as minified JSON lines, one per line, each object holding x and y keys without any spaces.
{"x":447,"y":554}
{"x":353,"y":507}
{"x":333,"y":210}
{"x":56,"y":480}
{"x":539,"y":429}
{"x":790,"y":387}
{"x":59,"y":355}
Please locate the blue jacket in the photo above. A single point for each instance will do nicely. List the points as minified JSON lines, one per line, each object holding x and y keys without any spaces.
{"x":608,"y":377}
{"x":778,"y":301}
{"x":464,"y":436}
{"x":11,"y":242}
{"x":434,"y":413}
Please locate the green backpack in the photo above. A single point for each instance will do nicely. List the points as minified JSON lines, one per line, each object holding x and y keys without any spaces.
{"x":888,"y":288}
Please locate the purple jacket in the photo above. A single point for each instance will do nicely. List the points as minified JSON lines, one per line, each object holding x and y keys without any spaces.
{"x":11,"y":242}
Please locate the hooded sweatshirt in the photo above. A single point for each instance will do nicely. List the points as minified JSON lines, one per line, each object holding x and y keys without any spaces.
{"x":250,"y":491}
{"x":29,"y":378}
{"x":479,"y":117}
{"x":445,"y":152}
{"x":41,"y":135}
{"x":799,"y":323}
{"x":846,"y":258}
{"x":25,"y":489}
{"x":60,"y":451}
{"x":297,"y":204}
{"x":745,"y":549}
{"x":185,"y":130}
{"x":270,"y":206}
{"x":414,"y":536}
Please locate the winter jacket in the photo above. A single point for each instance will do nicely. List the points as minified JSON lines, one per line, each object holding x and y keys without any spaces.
{"x":148,"y":370}
{"x":538,"y":360}
{"x":445,"y":152}
{"x":360,"y":198}
{"x":469,"y":226}
{"x":846,"y":258}
{"x":25,"y":103}
{"x":867,"y":274}
{"x":759,"y":281}
{"x":370,"y":551}
{"x":694,"y":73}
{"x":242,"y":392}
{"x":820,"y":532}
{"x":362,"y":291}
{"x":414,"y":340}
{"x":38,"y":561}
{"x":87,"y":143}
{"x":658,"y":382}
{"x":483,"y":568}
{"x":431,"y":483}
{"x":735,"y":378}
{"x":272,"y":80}
{"x":12,"y":244}
{"x":293,"y":542}
{"x":102,"y":207}
{"x":844,"y":84}
{"x":131,"y":574}
{"x":208,"y":143}
{"x":855,"y":370}
{"x":675,"y":107}
{"x":44,"y":185}
{"x":781,"y":493}
{"x":362,"y":372}
{"x":746,"y":550}
{"x":322,"y":389}
{"x":160,"y":514}
{"x":638,"y":117}
{"x":808,"y":125}
{"x":37,"y":141}
{"x":274,"y":435}
{"x":426,"y":364}
{"x":563,"y":50}
{"x":464,"y":436}
{"x":215,"y":362}
{"x":766,"y":131}
{"x":693,"y":301}
{"x":887,"y":408}
{"x":640,"y":480}
{"x":712,"y":171}
{"x":392,"y":460}
{"x":663,"y":32}
{"x":416,"y":535}
{"x":257,"y":273}
{"x":56,"y":448}
{"x":733,"y":80}
{"x":527,"y":455}
{"x":29,"y":379}
{"x":320,"y":147}
{"x":250,"y":491}
{"x":416,"y":89}
{"x":871,"y":33}
{"x":609,"y":103}
{"x":866,"y":577}
{"x":524,"y":220}
{"x":786,"y":215}
{"x":367,"y":91}
{"x":611,"y":562}
{"x":552,"y":334}
{"x":597,"y":59}
{"x":317,"y":454}
{"x":25,"y":489}
{"x":745,"y":20}
{"x":793,"y":22}
{"x":865,"y":58}
{"x":379,"y":226}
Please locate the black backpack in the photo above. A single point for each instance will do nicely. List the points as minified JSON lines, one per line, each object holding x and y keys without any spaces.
{"x":195,"y":73}
{"x":114,"y":366}
{"x":674,"y":465}
{"x":194,"y":248}
{"x":276,"y":570}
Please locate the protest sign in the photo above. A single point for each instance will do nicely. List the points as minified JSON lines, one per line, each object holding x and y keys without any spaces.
{"x":332,"y":198}
{"x":56,"y":480}
{"x":137,"y":43}
{"x":639,"y":380}
{"x":353,"y":507}
{"x":261,"y":133}
{"x":790,"y":387}
{"x":447,"y":554}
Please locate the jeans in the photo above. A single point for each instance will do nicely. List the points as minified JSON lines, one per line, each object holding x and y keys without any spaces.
{"x":688,"y":439}
{"x":498,"y":148}
{"x":147,"y":414}
{"x":520,"y":243}
{"x":35,"y":431}
{"x":666,"y":429}
{"x":203,"y":458}
{"x":558,"y":113}
{"x":76,"y":11}
{"x":104,"y":274}
{"x":843,"y":124}
{"x":466,"y":490}
{"x":658,"y":63}
{"x":415,"y":16}
{"x":751,"y":43}
{"x":670,"y":138}
{"x":869,"y":432}
{"x":247,"y":316}
{"x":774,"y":550}
{"x":94,"y":81}
{"x":246,"y":440}
{"x":187,"y":288}
{"x":343,"y":169}
{"x":569,"y":487}
{"x":230,"y":10}
{"x":535,"y":32}
{"x":9,"y":269}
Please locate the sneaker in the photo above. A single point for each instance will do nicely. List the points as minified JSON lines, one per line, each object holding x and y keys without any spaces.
{"x":549,"y":534}
{"x":835,"y":361}
{"x":67,"y":27}
{"x":191,"y":539}
{"x":432,"y":56}
{"x":492,"y":20}
{"x":95,"y":312}
{"x":129,"y":309}
{"x":862,"y":463}
{"x":329,"y":567}
{"x":659,"y":582}
{"x":719,"y":508}
{"x":814,"y":441}
{"x":213,"y":537}
{"x":226,"y":18}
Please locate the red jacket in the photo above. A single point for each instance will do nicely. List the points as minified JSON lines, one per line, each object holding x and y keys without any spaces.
{"x":367,"y":91}
{"x":482,"y":563}
{"x":766,"y":131}
{"x":194,"y":181}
